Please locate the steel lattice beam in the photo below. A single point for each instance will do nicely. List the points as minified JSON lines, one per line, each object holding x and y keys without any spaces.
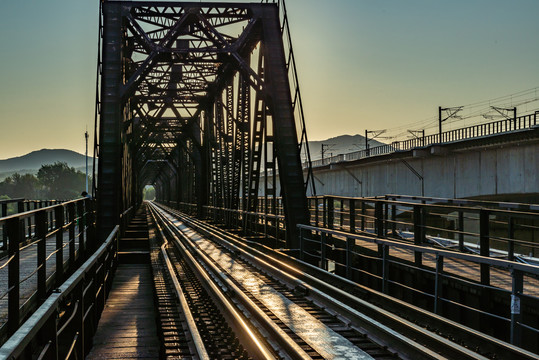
{"x":202,"y":87}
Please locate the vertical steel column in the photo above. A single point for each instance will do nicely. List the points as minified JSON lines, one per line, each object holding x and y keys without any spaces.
{"x":4,"y":227}
{"x":418,"y":232}
{"x":385,"y":267}
{"x":81,"y":229}
{"x":71,"y":231}
{"x":16,"y":235}
{"x":349,"y":248}
{"x":109,"y":177}
{"x":59,"y":222}
{"x":363,"y":213}
{"x":484,"y":244}
{"x":461,"y":230}
{"x":352,"y":215}
{"x":438,"y":284}
{"x":516,"y":315}
{"x":379,"y":223}
{"x":511,"y":244}
{"x":393,"y":220}
{"x":41,"y":233}
{"x":284,"y":126}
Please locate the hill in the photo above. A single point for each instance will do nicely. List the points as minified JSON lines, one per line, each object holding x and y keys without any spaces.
{"x":339,"y":145}
{"x":30,"y":163}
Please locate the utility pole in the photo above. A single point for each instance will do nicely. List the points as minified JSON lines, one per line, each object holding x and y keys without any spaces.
{"x":501,"y":112}
{"x":86,"y":137}
{"x":376,"y":134}
{"x":452,"y":113}
{"x":415,"y":134}
{"x":366,"y":143}
{"x":325,"y":148}
{"x":440,"y":122}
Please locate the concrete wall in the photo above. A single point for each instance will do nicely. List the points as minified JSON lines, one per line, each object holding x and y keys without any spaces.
{"x":509,"y":169}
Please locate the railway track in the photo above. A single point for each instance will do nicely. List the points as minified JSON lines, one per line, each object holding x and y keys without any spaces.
{"x":239,"y":303}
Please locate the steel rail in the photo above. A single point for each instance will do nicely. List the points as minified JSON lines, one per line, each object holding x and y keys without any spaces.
{"x":379,"y":332}
{"x":324,"y":281}
{"x":251,"y":342}
{"x":184,"y":306}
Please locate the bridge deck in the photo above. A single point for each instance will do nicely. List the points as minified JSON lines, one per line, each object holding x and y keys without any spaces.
{"x":127,"y":328}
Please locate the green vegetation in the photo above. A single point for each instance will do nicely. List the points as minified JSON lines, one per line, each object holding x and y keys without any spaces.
{"x":148,"y":193}
{"x":55,"y":181}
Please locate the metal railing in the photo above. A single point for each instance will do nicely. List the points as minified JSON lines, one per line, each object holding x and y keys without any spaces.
{"x":61,"y":237}
{"x":20,"y":205}
{"x":270,"y":229}
{"x":344,"y":253}
{"x":476,"y":131}
{"x":63,"y":326}
{"x":508,"y":230}
{"x":468,"y":227}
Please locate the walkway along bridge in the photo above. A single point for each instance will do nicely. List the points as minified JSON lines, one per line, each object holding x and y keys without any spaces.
{"x":201,"y":100}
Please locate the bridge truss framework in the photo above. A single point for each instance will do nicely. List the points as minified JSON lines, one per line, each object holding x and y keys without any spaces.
{"x":196,"y":99}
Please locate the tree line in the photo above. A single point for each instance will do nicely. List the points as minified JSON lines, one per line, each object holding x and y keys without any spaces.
{"x":55,"y":181}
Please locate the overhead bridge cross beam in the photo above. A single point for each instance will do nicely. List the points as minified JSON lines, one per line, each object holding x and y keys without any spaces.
{"x":203,"y":87}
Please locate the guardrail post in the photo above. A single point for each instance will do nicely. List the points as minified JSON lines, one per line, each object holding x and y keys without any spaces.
{"x":81,"y":229}
{"x":379,"y":220}
{"x":438,"y":283}
{"x":352,"y":215}
{"x":80,"y":319}
{"x":385,"y":267}
{"x":41,"y":234}
{"x":393,"y":220}
{"x":379,"y":223}
{"x":386,"y":215}
{"x":15,"y":230}
{"x":51,"y":331}
{"x":363,"y":212}
{"x":341,"y":215}
{"x":59,"y":226}
{"x":323,"y":250}
{"x":511,"y":244}
{"x":301,"y":245}
{"x":418,"y":232}
{"x":461,"y":230}
{"x":516,"y":316}
{"x":349,"y":248}
{"x":28,"y":220}
{"x":71,"y":221}
{"x":4,"y":227}
{"x":329,"y":213}
{"x":484,"y":244}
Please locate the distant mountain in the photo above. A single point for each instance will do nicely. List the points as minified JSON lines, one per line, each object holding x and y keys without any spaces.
{"x":339,"y":145}
{"x":30,"y":163}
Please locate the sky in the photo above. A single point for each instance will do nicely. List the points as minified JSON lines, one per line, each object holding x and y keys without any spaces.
{"x":362,"y":64}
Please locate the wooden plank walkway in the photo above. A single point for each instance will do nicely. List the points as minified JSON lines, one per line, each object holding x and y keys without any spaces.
{"x":127,"y":328}
{"x":28,"y":265}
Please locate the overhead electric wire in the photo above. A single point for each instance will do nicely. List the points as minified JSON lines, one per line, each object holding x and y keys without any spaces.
{"x":478,"y":109}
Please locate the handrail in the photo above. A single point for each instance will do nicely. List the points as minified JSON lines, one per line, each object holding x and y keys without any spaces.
{"x":68,"y":225}
{"x":22,"y":338}
{"x":505,"y":264}
{"x":30,"y":213}
{"x":523,"y":122}
{"x":8,"y":201}
{"x":321,"y":246}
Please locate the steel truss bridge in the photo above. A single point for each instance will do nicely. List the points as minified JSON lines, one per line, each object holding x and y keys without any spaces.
{"x":201,"y":100}
{"x":198,"y":99}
